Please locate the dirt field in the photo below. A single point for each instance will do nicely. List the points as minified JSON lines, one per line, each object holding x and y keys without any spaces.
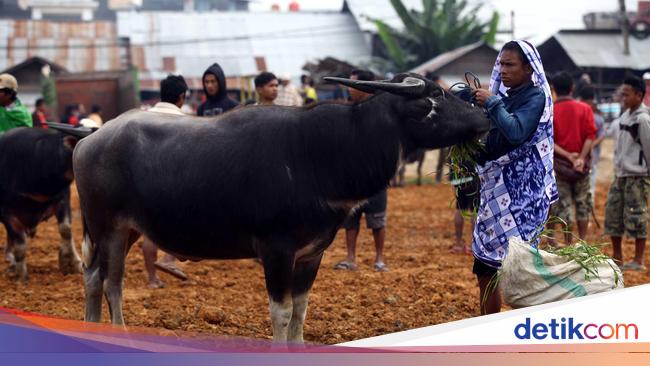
{"x":426,"y":285}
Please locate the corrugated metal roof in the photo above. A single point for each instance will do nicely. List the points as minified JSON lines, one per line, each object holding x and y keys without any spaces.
{"x":446,"y":58}
{"x":195,"y":40}
{"x":604,"y":49}
{"x":378,"y":9}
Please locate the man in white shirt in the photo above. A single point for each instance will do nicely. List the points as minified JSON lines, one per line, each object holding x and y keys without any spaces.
{"x":172,"y":97}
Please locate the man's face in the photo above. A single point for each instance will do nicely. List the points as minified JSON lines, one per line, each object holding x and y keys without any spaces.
{"x":211,"y":84}
{"x":513,"y":72}
{"x":357,"y":95}
{"x":269,"y":91}
{"x":5,"y":98}
{"x":41,"y":107}
{"x":630,"y":97}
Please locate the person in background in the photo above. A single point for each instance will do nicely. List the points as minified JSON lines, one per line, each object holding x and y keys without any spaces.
{"x":172,"y":97}
{"x":288,"y":95}
{"x":574,"y":132}
{"x":71,"y":115}
{"x":214,"y":86}
{"x":374,"y":209}
{"x":626,"y":210}
{"x":39,"y":120}
{"x":95,"y":115}
{"x":308,"y":92}
{"x":466,"y":190}
{"x":12,"y":111}
{"x":266,"y":86}
{"x":588,"y":95}
{"x":82,"y":111}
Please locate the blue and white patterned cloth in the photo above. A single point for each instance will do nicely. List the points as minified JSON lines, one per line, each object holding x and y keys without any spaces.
{"x":518,"y":188}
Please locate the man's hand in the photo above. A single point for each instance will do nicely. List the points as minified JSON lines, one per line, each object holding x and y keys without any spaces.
{"x":480,"y":96}
{"x":579,"y":165}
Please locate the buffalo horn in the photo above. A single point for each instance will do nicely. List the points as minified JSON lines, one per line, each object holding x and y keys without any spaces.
{"x":410,"y":86}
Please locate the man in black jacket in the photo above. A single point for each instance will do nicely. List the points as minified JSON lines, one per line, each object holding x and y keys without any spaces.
{"x":214,"y":86}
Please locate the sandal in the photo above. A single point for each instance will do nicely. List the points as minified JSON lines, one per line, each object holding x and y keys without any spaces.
{"x":460,"y":250}
{"x":350,"y":266}
{"x":172,"y":270}
{"x":381,"y":267}
{"x":634,"y":266}
{"x":156,"y":285}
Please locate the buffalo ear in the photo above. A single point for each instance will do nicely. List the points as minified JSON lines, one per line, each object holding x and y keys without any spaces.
{"x":70,"y":142}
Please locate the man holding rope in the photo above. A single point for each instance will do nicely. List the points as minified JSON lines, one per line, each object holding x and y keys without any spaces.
{"x":516,"y":168}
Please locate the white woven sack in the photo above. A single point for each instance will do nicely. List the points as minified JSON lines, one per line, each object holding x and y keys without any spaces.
{"x":531,"y":277}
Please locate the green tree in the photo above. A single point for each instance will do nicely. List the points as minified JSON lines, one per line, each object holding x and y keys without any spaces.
{"x":48,"y":90}
{"x":441,"y":26}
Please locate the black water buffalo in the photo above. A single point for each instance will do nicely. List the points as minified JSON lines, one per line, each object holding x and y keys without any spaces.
{"x":267,"y":182}
{"x":35,"y":176}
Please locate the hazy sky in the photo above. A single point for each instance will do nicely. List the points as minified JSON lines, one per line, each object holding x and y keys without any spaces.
{"x":536,"y":20}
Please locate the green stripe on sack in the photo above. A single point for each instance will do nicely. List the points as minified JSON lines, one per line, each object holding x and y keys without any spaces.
{"x":566,"y":283}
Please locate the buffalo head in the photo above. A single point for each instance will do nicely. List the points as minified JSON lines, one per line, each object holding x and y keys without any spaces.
{"x":431,"y":116}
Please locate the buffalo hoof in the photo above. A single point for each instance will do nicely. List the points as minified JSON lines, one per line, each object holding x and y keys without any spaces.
{"x":9,"y":258}
{"x":21,"y":272}
{"x":31,"y":232}
{"x":69,"y":263}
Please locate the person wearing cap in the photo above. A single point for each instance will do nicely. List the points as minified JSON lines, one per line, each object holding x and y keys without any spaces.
{"x":288,"y":95}
{"x":12,"y":112}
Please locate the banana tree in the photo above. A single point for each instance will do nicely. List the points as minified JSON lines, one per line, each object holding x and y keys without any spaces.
{"x":440,"y":26}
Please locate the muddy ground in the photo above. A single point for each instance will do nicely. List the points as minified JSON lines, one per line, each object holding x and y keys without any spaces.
{"x":426,"y":284}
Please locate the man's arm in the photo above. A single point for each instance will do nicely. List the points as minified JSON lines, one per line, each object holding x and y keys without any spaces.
{"x":560,"y":151}
{"x":588,"y":132}
{"x":597,"y":142}
{"x":518,"y":125}
{"x":19,"y":117}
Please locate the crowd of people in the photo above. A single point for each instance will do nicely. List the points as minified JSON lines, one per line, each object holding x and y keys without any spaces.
{"x":539,"y":160}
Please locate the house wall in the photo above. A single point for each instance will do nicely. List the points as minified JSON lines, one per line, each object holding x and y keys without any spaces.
{"x":76,"y":46}
{"x":114,"y":92}
{"x":479,"y":61}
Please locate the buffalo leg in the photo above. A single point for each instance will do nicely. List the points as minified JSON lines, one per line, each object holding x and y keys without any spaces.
{"x":104,"y":273}
{"x":113,"y":266}
{"x":278,"y":273}
{"x":93,"y":288}
{"x":92,"y":278}
{"x":18,"y":242}
{"x":420,"y":162}
{"x":442,"y":158}
{"x":69,"y":261}
{"x":303,"y":278}
{"x":400,"y":174}
{"x":9,"y":252}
